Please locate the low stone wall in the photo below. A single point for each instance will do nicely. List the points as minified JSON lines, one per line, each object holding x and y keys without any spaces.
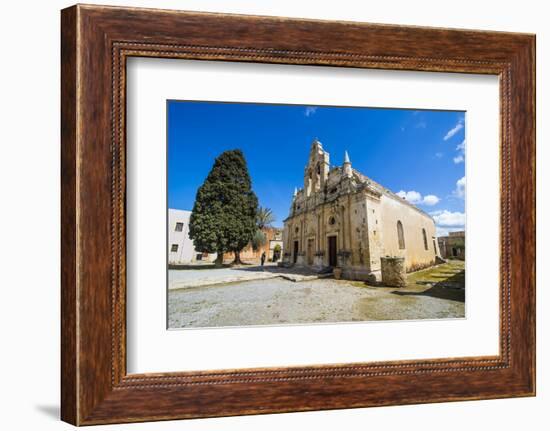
{"x":393,"y":271}
{"x":359,"y":273}
{"x":415,"y":266}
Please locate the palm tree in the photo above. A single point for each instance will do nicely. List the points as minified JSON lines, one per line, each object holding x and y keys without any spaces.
{"x":264,"y":217}
{"x":258,"y":240}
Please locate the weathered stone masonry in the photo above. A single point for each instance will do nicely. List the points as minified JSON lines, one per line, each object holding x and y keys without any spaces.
{"x":343,"y":218}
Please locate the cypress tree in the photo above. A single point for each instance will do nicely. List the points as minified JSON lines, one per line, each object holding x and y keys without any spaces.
{"x":224,"y":214}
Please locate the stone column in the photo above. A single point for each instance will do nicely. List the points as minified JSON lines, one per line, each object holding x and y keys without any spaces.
{"x":350,"y":246}
{"x":303,"y":232}
{"x":322,"y":236}
{"x":342,"y":228}
{"x":318,"y":231}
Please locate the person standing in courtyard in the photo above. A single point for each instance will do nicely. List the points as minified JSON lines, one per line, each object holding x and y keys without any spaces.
{"x":262,"y":259}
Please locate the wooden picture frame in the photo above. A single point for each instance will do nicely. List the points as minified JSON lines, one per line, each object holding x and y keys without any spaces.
{"x":95,"y":43}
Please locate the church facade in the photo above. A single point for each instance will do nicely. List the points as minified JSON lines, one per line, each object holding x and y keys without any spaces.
{"x":342,"y":218}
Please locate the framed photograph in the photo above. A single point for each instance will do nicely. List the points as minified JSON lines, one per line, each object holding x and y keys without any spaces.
{"x":264,"y":215}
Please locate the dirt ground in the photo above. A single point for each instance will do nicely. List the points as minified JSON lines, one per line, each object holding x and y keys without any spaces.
{"x":436,"y":293}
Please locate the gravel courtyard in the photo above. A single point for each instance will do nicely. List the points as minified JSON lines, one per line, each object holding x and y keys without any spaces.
{"x":431,"y":294}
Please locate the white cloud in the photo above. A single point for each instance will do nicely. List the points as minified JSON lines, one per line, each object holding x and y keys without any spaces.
{"x":310,"y":110}
{"x":449,"y":219}
{"x":438,"y":155}
{"x":430,"y":200}
{"x":458,"y":159}
{"x":460,"y":189}
{"x":412,"y":196}
{"x":461,"y":151}
{"x":421,"y":125}
{"x":416,"y":198}
{"x":459,"y":126}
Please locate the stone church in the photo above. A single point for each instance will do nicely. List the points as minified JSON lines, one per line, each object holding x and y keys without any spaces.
{"x":342,"y":218}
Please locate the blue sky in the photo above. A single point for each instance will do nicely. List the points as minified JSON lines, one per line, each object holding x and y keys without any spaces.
{"x":418,"y":154}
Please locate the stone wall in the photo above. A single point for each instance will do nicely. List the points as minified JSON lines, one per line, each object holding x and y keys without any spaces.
{"x":249,"y":255}
{"x":453,"y":246}
{"x":417,"y":253}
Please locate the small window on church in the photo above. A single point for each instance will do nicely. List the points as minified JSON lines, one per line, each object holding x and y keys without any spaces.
{"x":400,"y":235}
{"x":318,"y":169}
{"x":179,"y":227}
{"x":425,"y":239}
{"x":331,"y":220}
{"x":174,"y":248}
{"x":297,"y":229}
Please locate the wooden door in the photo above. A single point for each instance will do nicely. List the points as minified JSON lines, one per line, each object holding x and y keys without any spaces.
{"x":332,"y":251}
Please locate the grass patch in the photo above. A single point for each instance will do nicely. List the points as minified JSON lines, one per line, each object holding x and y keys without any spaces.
{"x":450,"y":274}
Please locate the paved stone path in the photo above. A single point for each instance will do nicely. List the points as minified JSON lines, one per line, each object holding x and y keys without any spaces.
{"x":189,"y":278}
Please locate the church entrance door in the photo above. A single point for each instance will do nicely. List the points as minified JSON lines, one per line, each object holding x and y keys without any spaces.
{"x":295,"y":255}
{"x":332,"y":251}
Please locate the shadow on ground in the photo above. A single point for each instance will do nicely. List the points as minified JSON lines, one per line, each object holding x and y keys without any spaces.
{"x":259,"y":268}
{"x":52,"y":411}
{"x":198,"y":266}
{"x":450,"y":287}
{"x":209,"y":266}
{"x":274,"y":269}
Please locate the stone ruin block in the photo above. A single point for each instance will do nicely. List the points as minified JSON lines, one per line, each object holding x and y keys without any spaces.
{"x":393,"y":271}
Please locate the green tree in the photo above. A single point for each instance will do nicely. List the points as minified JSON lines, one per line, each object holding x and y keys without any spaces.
{"x":264,"y":218}
{"x":224,"y":214}
{"x":276,"y":252}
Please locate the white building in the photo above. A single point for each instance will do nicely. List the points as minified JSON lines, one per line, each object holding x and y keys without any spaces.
{"x":180,"y":247}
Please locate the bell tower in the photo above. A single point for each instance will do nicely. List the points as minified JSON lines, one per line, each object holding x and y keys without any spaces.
{"x":316,"y":171}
